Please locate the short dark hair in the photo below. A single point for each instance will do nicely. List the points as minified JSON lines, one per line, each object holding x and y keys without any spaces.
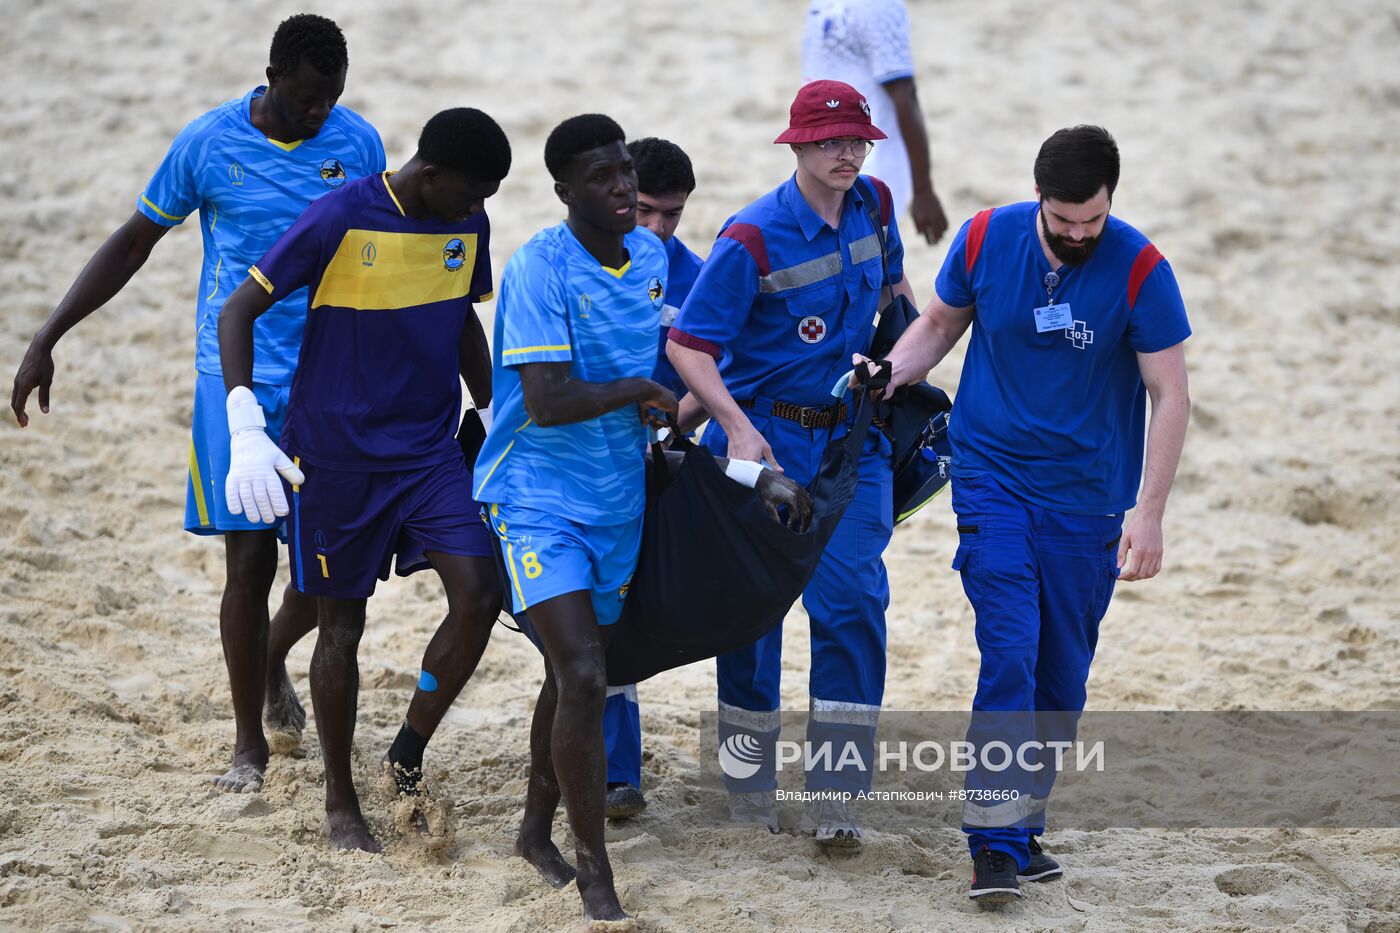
{"x":578,"y":135}
{"x":662,"y":166}
{"x":1075,"y":162}
{"x":466,"y":140}
{"x":308,"y":38}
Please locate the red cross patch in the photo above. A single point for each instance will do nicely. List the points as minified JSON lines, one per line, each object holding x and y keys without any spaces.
{"x":812,"y":329}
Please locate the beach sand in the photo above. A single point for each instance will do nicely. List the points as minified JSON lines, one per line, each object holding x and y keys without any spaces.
{"x":1260,"y":142}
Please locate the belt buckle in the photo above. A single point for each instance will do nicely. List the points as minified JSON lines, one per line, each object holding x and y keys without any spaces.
{"x":812,"y":417}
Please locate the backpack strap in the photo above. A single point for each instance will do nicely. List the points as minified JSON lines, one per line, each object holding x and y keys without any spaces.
{"x":1146,"y":261}
{"x":976,"y":233}
{"x":886,"y":200}
{"x":874,"y":208}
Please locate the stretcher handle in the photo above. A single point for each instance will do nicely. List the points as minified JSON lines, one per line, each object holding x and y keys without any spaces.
{"x":870,"y":380}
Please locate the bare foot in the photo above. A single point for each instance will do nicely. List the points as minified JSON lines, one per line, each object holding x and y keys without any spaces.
{"x":547,"y":861}
{"x":283,"y":715}
{"x":347,"y":830}
{"x":625,"y":925}
{"x":245,"y":776}
{"x":601,"y":911}
{"x":601,"y":907}
{"x":416,"y":809}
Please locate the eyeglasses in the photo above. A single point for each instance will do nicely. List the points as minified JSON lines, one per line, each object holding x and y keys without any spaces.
{"x":839,"y":147}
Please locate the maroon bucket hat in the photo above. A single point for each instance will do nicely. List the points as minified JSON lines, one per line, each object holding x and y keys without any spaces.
{"x":828,"y":110}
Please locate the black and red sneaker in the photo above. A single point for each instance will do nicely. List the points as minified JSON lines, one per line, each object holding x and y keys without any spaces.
{"x":1042,"y":866}
{"x":993,"y":878}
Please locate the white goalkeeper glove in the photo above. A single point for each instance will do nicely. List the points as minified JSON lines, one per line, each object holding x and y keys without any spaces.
{"x":252,"y":487}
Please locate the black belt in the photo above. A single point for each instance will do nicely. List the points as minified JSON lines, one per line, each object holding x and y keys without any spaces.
{"x":809,"y":417}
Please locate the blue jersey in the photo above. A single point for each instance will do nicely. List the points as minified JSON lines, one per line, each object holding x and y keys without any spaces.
{"x":784,"y":300}
{"x":682,"y":270}
{"x":1057,"y":417}
{"x":248,"y":190}
{"x":378,"y":383}
{"x":560,"y":305}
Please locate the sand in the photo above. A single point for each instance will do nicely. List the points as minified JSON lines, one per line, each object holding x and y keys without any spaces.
{"x":1260,"y":142}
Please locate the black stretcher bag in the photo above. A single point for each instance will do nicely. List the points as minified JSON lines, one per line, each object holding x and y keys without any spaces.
{"x":715,"y":572}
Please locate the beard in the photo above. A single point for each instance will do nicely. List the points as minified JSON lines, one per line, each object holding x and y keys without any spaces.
{"x":1069,"y":253}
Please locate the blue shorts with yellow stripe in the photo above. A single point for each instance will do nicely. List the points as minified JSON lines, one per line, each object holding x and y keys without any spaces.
{"x":206,"y":513}
{"x":548,"y":556}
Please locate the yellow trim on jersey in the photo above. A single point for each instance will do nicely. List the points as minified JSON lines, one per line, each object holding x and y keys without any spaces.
{"x":539,"y":349}
{"x":215,"y":290}
{"x":296,"y":462}
{"x":618,"y":273}
{"x":374,"y":270}
{"x":482,"y":484}
{"x":197,"y":484}
{"x":261,"y":279}
{"x":285,"y":147}
{"x":489,"y":296}
{"x":390,"y":188}
{"x":147,"y":201}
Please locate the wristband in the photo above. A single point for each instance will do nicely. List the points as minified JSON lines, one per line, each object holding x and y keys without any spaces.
{"x":745,"y":472}
{"x":243,"y":410}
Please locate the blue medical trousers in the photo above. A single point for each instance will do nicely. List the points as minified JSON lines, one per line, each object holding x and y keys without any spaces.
{"x":622,"y":735}
{"x":1039,"y":582}
{"x":845,"y":602}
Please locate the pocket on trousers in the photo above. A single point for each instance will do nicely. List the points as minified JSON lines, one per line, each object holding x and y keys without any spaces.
{"x":1108,"y":579}
{"x":965,"y":561}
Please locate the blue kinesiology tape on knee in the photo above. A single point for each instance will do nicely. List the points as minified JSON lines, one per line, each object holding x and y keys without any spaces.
{"x":427,"y":682}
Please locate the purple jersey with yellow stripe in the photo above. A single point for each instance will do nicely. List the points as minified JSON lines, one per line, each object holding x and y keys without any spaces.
{"x":377,"y":385}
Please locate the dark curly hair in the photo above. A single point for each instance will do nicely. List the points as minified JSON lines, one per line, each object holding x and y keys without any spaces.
{"x":308,"y":38}
{"x":577,"y":135}
{"x":466,"y":140}
{"x":662,"y":166}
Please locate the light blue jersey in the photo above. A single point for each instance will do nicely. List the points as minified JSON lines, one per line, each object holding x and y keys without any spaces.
{"x":248,"y":191}
{"x":556,"y":303}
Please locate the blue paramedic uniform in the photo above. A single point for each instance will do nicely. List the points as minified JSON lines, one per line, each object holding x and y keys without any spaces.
{"x":567,"y":501}
{"x":248,"y":190}
{"x":683,"y":268}
{"x":1048,"y":435}
{"x":622,"y":719}
{"x":372,"y":417}
{"x":782,"y":303}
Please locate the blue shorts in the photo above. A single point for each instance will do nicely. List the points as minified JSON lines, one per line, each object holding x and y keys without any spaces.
{"x":206,"y":513}
{"x":549,"y":556}
{"x":345,"y":528}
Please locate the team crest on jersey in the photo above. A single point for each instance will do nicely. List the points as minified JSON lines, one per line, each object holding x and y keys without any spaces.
{"x":656,"y":292}
{"x":235,"y":174}
{"x":367,"y":253}
{"x":585,"y":304}
{"x":812,"y":329}
{"x":454,"y":254}
{"x":333,"y":173}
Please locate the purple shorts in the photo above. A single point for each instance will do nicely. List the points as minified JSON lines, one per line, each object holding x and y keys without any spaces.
{"x":345,"y":528}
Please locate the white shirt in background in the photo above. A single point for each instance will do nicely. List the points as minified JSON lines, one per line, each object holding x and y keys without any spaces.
{"x":865,"y":43}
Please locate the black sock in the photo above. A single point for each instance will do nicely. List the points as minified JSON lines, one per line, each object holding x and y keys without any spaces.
{"x":407,"y":752}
